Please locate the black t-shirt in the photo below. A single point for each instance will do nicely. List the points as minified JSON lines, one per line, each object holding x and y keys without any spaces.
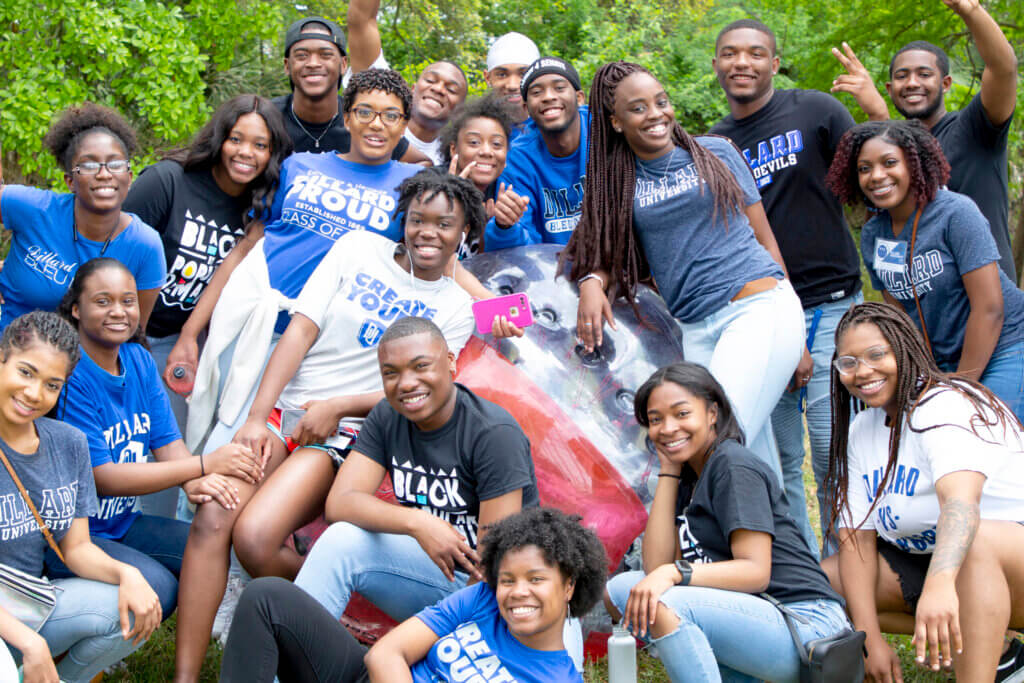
{"x":789,"y":144}
{"x":737,"y":490}
{"x":198,"y":222}
{"x":479,"y":454}
{"x":976,"y":151}
{"x":337,"y":139}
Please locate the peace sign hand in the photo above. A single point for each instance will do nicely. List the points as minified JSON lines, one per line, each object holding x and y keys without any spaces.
{"x":857,"y":82}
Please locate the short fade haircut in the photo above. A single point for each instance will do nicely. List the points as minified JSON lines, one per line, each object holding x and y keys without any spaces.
{"x":941,"y":58}
{"x":747,"y":23}
{"x":408,"y":326}
{"x":385,"y":80}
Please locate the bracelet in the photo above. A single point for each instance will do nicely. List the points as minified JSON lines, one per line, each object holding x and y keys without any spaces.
{"x":590,"y":276}
{"x":666,"y":474}
{"x":202,"y":469}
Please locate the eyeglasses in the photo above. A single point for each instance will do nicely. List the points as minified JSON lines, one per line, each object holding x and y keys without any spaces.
{"x":93,"y":167}
{"x":366,"y":115}
{"x":847,"y":365}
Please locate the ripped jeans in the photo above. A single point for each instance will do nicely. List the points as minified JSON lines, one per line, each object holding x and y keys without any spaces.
{"x":731,"y":636}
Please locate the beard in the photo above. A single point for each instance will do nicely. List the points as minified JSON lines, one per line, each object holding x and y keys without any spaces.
{"x":930,"y":107}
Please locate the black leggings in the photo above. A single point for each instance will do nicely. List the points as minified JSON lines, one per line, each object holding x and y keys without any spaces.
{"x":278,"y":629}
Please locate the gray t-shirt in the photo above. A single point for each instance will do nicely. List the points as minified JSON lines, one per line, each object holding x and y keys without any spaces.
{"x":58,"y":478}
{"x":953,"y":238}
{"x":698,"y":264}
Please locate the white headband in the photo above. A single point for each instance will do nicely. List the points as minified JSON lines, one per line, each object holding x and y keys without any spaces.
{"x":512,"y":48}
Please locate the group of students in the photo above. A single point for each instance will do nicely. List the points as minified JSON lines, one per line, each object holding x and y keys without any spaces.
{"x":310,"y":279}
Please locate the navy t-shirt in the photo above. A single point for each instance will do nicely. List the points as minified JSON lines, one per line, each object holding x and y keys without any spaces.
{"x":952,"y":239}
{"x":699,"y":265}
{"x":737,"y":490}
{"x":479,"y":454}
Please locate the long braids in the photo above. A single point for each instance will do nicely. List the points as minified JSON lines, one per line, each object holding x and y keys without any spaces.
{"x":604,"y":238}
{"x":916,"y":373}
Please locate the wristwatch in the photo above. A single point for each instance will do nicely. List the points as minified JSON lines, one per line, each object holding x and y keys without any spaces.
{"x":685,"y":570}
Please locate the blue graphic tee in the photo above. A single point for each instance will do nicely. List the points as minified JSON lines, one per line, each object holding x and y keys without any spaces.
{"x":46,"y":252}
{"x":321,"y":197}
{"x":124,"y":417}
{"x":475,"y":645}
{"x":553,"y":184}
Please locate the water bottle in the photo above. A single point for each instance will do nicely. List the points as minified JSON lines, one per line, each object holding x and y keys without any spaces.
{"x":182,"y":379}
{"x":621,"y":656}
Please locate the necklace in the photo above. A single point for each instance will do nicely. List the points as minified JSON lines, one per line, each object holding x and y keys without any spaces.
{"x":315,"y":138}
{"x":106,"y":242}
{"x":664,"y":169}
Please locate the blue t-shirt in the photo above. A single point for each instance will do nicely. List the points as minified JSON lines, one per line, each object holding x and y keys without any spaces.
{"x":321,"y":197}
{"x":46,"y":252}
{"x":953,"y":238}
{"x":124,"y":417}
{"x":699,"y":264}
{"x":475,"y":645}
{"x":553,"y":184}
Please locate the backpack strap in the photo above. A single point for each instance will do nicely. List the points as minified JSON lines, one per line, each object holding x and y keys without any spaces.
{"x":28,"y":501}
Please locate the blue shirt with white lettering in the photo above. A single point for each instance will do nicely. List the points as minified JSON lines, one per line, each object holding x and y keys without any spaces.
{"x":554,"y":186}
{"x":474,"y":644}
{"x":46,"y":251}
{"x":953,"y":239}
{"x":321,"y":197}
{"x":124,"y":417}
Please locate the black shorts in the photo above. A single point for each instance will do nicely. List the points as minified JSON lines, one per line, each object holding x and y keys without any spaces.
{"x":911,"y":568}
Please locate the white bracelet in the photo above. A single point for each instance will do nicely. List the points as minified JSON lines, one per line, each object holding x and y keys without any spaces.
{"x":590,"y":276}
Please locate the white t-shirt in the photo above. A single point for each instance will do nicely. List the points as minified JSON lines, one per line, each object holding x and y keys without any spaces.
{"x":908,"y":509}
{"x":353,"y":295}
{"x":431,"y":149}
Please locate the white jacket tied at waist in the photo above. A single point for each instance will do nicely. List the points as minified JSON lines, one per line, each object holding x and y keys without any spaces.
{"x":246,"y":313}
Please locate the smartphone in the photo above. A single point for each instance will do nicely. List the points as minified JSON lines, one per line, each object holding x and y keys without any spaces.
{"x":291,"y":416}
{"x":515,"y":307}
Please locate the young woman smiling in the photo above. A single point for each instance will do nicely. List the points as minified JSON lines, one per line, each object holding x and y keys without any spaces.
{"x":649,"y":185}
{"x":53,"y":234}
{"x":926,"y":485}
{"x":719,"y":533}
{"x":538,"y":566}
{"x":325,"y":363}
{"x":115,"y":396}
{"x":90,"y":624}
{"x":971,"y":314}
{"x":200,"y":199}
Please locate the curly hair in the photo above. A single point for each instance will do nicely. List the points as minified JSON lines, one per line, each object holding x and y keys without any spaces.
{"x":916,"y":373}
{"x":73,"y":294}
{"x":386,"y":80}
{"x":43,"y":327}
{"x":490,"y":106}
{"x":433,"y":181}
{"x":75,"y":123}
{"x":604,"y":237}
{"x":204,"y":151}
{"x":928,"y":167}
{"x":564,"y":542}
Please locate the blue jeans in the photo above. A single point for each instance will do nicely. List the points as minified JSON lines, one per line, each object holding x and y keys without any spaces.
{"x":86,"y":625}
{"x":222,"y":433}
{"x":787,"y":421}
{"x":1004,"y":375}
{"x":729,"y":636}
{"x":153,"y":545}
{"x":752,"y":347}
{"x":389,"y":570}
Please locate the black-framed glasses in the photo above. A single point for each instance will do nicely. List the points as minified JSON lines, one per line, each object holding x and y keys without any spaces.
{"x":93,"y":167}
{"x":847,"y":365}
{"x":366,"y":115}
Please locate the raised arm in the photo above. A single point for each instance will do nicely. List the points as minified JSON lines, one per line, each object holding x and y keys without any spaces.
{"x":857,"y":82}
{"x":363,"y":34}
{"x":999,"y":78}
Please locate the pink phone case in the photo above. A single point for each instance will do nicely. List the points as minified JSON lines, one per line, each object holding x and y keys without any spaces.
{"x":515,"y":307}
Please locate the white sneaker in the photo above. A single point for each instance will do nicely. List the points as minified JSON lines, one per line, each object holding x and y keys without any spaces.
{"x":226,"y":611}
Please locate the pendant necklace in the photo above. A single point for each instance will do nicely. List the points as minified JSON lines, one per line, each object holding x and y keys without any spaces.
{"x":316,"y":139}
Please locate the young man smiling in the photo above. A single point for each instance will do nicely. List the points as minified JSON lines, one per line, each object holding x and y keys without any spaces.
{"x":789,"y":138}
{"x":545,"y":167}
{"x":974,"y":138}
{"x":507,"y":61}
{"x":457,"y":463}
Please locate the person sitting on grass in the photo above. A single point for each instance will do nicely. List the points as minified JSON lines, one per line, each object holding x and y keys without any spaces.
{"x":927,"y":488}
{"x":539,"y":566}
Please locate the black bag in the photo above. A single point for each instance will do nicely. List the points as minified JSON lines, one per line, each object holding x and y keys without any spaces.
{"x":836,"y":659}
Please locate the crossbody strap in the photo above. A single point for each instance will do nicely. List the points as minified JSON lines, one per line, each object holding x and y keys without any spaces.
{"x":913,"y":286}
{"x":28,"y":501}
{"x":789,"y":615}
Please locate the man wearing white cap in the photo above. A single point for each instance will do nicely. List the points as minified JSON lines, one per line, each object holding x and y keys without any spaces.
{"x":507,"y":61}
